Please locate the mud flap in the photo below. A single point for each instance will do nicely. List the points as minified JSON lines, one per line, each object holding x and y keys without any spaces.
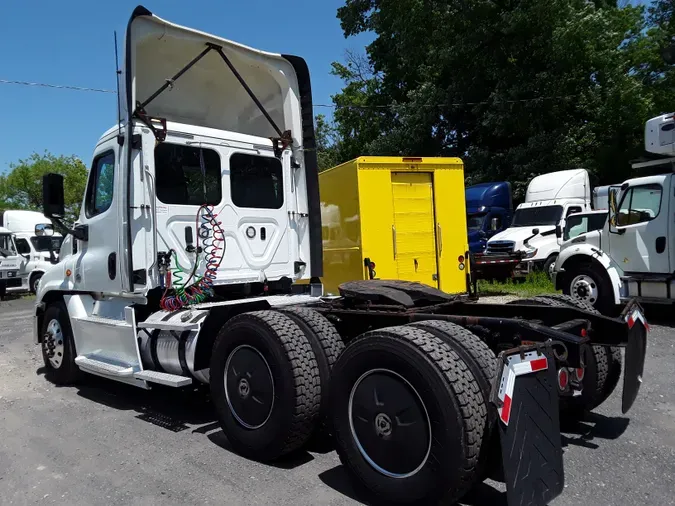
{"x":636,"y":350}
{"x":526,"y":396}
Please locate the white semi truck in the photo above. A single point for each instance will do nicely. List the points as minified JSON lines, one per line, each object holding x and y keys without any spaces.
{"x":201,"y":211}
{"x":39,"y":251}
{"x":632,"y":255}
{"x":530,"y":243}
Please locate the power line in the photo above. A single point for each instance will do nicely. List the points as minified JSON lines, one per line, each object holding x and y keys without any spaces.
{"x":326,"y":106}
{"x":59,"y":86}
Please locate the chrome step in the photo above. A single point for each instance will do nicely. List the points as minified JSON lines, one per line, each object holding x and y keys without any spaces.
{"x":163,"y":378}
{"x":103,"y":368}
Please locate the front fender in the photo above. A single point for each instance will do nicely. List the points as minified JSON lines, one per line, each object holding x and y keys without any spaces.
{"x":55,"y":279}
{"x":590,"y":254}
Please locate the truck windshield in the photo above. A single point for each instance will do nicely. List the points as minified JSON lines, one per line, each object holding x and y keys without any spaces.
{"x":545,"y":215}
{"x":475,"y":222}
{"x":7,"y":247}
{"x":42,"y":243}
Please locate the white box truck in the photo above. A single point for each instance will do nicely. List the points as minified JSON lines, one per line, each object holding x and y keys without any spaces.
{"x":633,"y":254}
{"x":40,"y":252}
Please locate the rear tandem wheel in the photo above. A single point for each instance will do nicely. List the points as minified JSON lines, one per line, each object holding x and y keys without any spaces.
{"x":408,"y":417}
{"x":265,"y":384}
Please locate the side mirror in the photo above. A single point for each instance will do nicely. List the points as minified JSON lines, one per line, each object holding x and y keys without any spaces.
{"x":44,"y":230}
{"x":535,"y":231}
{"x":558,"y":231}
{"x":494,"y":223}
{"x":53,"y":202}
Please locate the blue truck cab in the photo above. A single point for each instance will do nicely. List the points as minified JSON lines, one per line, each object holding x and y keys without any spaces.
{"x":489,"y":209}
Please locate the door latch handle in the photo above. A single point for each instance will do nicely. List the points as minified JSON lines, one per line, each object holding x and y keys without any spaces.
{"x":439,"y":238}
{"x":393,"y":237}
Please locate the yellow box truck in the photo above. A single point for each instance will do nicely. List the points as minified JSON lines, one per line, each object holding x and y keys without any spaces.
{"x":395,"y":218}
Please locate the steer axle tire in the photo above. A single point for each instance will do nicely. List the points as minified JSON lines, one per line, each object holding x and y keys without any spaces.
{"x":265,"y":384}
{"x":408,"y":417}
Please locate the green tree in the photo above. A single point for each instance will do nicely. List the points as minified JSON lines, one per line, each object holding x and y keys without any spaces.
{"x":514,"y":88}
{"x":21,"y":187}
{"x":326,"y":147}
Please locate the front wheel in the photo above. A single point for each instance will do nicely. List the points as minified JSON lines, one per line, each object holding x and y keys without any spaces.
{"x":586,"y":284}
{"x":34,"y":282}
{"x":58,"y":346}
{"x":549,"y":265}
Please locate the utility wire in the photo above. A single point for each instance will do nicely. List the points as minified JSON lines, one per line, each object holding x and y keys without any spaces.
{"x":326,"y":106}
{"x":61,"y":87}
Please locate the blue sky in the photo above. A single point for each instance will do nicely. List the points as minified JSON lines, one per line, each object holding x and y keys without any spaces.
{"x":70,"y":42}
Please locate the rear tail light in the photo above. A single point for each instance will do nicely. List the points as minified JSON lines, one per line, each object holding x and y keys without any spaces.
{"x":460,"y":259}
{"x":579,"y":373}
{"x":563,"y":379}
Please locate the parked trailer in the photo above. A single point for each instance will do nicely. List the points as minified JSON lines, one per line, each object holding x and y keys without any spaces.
{"x":181,"y":266}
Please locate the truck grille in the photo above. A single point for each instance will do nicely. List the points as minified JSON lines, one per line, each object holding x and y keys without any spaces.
{"x":500,"y":247}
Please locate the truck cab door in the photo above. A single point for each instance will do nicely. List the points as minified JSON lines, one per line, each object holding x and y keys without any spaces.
{"x":96,"y":262}
{"x":638,"y":239}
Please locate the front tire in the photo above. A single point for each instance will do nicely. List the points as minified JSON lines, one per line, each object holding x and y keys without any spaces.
{"x":265,"y":384}
{"x":408,"y":416}
{"x":34,"y":281}
{"x":586,"y":284}
{"x":58,"y":346}
{"x":549,"y":264}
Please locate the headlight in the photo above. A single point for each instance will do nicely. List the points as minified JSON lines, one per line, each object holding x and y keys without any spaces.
{"x":530,"y":253}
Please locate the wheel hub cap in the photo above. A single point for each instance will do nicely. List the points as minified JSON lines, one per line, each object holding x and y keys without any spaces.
{"x":244,"y":388}
{"x":584,"y":288}
{"x":382,"y":425}
{"x":52,"y":342}
{"x":249,"y":387}
{"x":389,"y":423}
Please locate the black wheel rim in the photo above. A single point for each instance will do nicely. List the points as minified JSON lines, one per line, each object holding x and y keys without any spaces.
{"x":389,"y":423}
{"x":249,"y":387}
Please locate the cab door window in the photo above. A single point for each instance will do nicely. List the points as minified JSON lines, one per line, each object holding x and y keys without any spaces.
{"x":101,"y":185}
{"x":22,"y":247}
{"x":640,"y":204}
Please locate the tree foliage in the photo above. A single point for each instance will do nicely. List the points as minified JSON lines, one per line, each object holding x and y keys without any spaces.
{"x":21,"y":187}
{"x":515,"y":88}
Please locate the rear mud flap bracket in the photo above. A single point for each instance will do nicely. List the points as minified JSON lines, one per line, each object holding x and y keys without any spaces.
{"x":526,"y":397}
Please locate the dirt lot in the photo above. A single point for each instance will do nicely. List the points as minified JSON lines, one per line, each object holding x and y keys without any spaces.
{"x":104,"y":443}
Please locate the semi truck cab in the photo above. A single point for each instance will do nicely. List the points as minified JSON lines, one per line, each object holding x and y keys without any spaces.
{"x":489,"y":209}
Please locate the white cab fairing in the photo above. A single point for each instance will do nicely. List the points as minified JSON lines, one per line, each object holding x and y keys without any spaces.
{"x":209,"y":103}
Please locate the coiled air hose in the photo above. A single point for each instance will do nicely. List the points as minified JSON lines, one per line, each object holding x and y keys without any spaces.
{"x":213,"y":237}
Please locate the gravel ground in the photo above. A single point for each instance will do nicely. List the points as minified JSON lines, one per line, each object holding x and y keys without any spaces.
{"x":105,"y":443}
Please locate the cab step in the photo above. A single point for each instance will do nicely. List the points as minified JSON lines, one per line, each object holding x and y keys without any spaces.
{"x":163,"y":378}
{"x":101,"y":368}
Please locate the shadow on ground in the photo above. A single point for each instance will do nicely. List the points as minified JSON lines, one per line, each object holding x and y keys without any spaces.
{"x":480,"y":495}
{"x":171,"y":409}
{"x":592,"y":426}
